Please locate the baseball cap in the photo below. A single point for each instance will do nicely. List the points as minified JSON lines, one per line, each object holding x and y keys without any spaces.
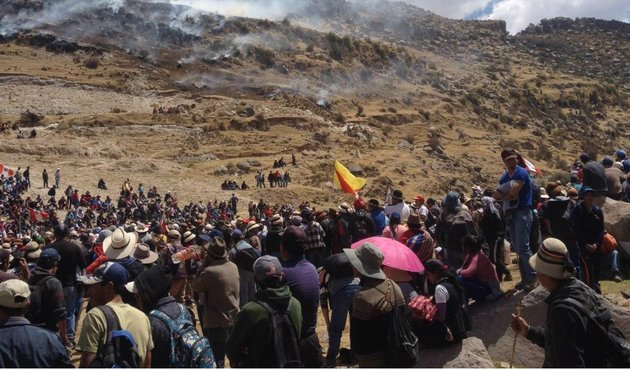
{"x":110,"y":271}
{"x":14,"y":293}
{"x":48,"y":258}
{"x":266,"y":268}
{"x":508,"y":153}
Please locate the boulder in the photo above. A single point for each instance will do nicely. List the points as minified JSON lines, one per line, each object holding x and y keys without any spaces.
{"x":470,"y":353}
{"x":243,"y":166}
{"x":404,"y":144}
{"x":356,"y":169}
{"x":254,"y":162}
{"x":491,"y":324}
{"x":617,"y":219}
{"x":221,"y":170}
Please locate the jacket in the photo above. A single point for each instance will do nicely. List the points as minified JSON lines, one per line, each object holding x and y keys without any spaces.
{"x":567,"y":338}
{"x":249,"y":343}
{"x":53,"y":306}
{"x":219,"y":282}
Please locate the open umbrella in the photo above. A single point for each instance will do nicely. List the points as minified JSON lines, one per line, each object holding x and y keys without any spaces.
{"x":397,"y":255}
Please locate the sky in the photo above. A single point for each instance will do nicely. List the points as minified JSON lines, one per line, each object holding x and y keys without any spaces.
{"x":518,"y":14}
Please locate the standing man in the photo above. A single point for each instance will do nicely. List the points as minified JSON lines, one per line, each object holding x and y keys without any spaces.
{"x":218,"y":282}
{"x":72,"y":260}
{"x":518,"y":216}
{"x":23,"y":345}
{"x":233,"y":203}
{"x":303,"y":280}
{"x":57,"y":177}
{"x":315,"y":246}
{"x":398,"y":205}
{"x":45,"y":178}
{"x":27,"y":176}
{"x":569,"y":338}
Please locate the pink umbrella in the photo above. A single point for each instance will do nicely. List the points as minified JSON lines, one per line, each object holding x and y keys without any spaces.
{"x":397,"y":255}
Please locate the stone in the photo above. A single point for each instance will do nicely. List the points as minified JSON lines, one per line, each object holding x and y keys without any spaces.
{"x":427,"y":149}
{"x":617,"y":219}
{"x":356,"y":169}
{"x":243,"y":166}
{"x":221,"y":170}
{"x":404,"y":144}
{"x":254,"y":162}
{"x":470,"y":353}
{"x":498,"y":337}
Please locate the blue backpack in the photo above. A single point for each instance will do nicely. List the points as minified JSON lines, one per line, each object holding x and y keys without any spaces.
{"x":120,"y":349}
{"x":188,"y":348}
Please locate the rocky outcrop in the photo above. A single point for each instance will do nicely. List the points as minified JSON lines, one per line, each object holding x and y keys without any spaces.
{"x":617,"y":219}
{"x":470,"y":353}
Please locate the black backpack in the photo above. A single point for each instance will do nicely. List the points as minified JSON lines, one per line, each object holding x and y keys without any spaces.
{"x":613,"y":342}
{"x":36,"y":314}
{"x":285,"y":340}
{"x":245,"y":258}
{"x":402,"y":344}
{"x":363,"y":226}
{"x":120,"y":350}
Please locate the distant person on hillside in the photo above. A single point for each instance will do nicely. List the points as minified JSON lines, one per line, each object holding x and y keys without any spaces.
{"x":57,"y":177}
{"x":45,"y":178}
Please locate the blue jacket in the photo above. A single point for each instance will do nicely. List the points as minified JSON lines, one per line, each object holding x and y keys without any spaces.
{"x":25,"y":345}
{"x":380,"y":220}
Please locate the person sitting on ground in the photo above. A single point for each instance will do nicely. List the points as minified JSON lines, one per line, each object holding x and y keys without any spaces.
{"x":478,"y":275}
{"x":450,"y":323}
{"x":248,"y":344}
{"x":569,"y":338}
{"x":23,"y":345}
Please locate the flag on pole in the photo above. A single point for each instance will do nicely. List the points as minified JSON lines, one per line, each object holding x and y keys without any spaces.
{"x":528,"y":165}
{"x":346,"y":181}
{"x":7,"y":171}
{"x":38,"y":216}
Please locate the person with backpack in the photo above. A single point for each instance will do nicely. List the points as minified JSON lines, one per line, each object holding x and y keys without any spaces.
{"x":176,"y":340}
{"x":454,"y":223}
{"x":579,"y":331}
{"x":267,"y":331}
{"x":451,"y":318}
{"x":362,"y":224}
{"x":217,"y":283}
{"x":23,"y":345}
{"x":47,"y":308}
{"x":244,"y":256}
{"x":372,"y":307}
{"x":114,"y":334}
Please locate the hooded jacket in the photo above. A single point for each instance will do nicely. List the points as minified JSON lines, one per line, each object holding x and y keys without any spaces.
{"x":249,"y":344}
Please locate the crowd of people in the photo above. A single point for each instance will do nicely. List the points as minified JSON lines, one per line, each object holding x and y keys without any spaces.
{"x":147,"y":268}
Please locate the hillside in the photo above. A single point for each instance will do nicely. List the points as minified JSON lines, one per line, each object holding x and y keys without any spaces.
{"x":409,"y":98}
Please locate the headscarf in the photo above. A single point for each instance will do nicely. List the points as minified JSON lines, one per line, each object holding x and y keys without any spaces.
{"x":489,"y":202}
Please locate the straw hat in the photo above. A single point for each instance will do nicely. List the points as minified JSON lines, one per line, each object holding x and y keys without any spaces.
{"x":120,"y":244}
{"x":144,"y":254}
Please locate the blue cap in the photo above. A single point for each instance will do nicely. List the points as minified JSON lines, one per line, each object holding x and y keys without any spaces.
{"x":237,"y":233}
{"x":48,"y":258}
{"x":621,"y":154}
{"x":585,"y":190}
{"x":110,"y":271}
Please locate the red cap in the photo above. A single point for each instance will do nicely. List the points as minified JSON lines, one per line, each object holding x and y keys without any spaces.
{"x":359,"y":204}
{"x":419,"y":198}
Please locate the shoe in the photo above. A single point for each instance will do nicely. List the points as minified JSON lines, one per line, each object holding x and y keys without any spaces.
{"x":617,"y":278}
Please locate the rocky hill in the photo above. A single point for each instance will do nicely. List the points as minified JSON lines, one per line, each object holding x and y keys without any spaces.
{"x":409,"y":98}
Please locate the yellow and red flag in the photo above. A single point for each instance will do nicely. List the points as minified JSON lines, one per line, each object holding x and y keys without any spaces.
{"x":346,"y":181}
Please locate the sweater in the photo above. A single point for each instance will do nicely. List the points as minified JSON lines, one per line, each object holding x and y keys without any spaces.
{"x":478,"y":266}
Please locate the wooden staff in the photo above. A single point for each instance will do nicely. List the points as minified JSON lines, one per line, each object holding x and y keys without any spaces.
{"x":518,"y":314}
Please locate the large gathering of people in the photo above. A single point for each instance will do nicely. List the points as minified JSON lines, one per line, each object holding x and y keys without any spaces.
{"x":146,"y":268}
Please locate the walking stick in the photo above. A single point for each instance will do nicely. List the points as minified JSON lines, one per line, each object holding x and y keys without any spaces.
{"x":518,"y":314}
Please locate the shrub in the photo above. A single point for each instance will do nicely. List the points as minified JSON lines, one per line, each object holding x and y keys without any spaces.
{"x":92,"y":63}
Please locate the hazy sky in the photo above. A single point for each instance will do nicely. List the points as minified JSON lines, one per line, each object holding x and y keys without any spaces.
{"x":520,"y":13}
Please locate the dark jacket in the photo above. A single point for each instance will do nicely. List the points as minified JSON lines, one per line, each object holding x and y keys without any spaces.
{"x":587,"y":226}
{"x":567,"y":338}
{"x":272,"y":241}
{"x":249,"y":343}
{"x":25,"y":345}
{"x":52,"y":307}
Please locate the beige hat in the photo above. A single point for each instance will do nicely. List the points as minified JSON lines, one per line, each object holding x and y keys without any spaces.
{"x":32,"y":250}
{"x":188,"y":237}
{"x":6,"y":246}
{"x":552,"y":259}
{"x":73,"y":234}
{"x":14,"y":293}
{"x":174,"y":234}
{"x":252,"y":225}
{"x":120,"y":244}
{"x":141,"y":228}
{"x":144,"y":254}
{"x":344,"y":208}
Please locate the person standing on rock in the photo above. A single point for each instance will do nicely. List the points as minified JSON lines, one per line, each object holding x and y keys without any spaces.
{"x":570,"y":338}
{"x":518,"y":216}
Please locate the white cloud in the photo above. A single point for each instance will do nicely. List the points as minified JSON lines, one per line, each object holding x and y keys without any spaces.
{"x":455,"y":9}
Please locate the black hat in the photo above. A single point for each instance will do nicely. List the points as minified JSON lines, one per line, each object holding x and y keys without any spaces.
{"x":398,"y":195}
